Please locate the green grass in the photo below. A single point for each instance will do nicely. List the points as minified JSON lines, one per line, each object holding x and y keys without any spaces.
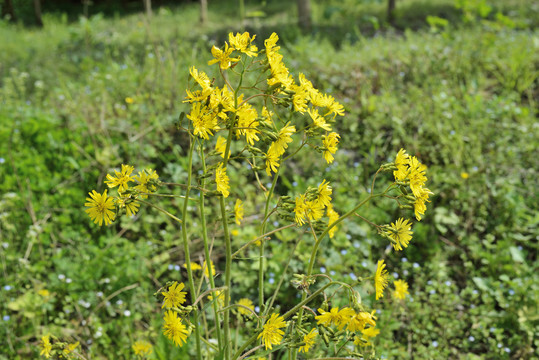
{"x":463,"y":99}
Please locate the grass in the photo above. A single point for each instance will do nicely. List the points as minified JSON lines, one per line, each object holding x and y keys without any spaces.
{"x":462,"y":98}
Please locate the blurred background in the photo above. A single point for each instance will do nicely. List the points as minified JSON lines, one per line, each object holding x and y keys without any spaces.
{"x":88,"y":85}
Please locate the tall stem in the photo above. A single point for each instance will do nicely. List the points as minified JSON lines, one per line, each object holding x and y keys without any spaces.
{"x":186,"y":249}
{"x":206,"y":246}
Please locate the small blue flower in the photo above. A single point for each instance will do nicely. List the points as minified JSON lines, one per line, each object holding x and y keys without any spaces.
{"x":434,"y":343}
{"x":257,"y":309}
{"x":271,"y":280}
{"x":404,"y":259}
{"x":475,"y":292}
{"x":415,"y":265}
{"x":507,"y":350}
{"x":171,"y":267}
{"x":499,"y":345}
{"x":332,"y":273}
{"x":344,"y":252}
{"x":395,"y":275}
{"x":432,"y":292}
{"x":322,"y":269}
{"x":177,"y":267}
{"x":7,"y":287}
{"x":448,"y":283}
{"x":471,"y":338}
{"x":511,"y":292}
{"x":353,"y":276}
{"x":6,"y":318}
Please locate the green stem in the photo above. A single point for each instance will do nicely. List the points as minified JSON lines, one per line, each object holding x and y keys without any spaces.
{"x":206,"y":246}
{"x":228,"y":250}
{"x":186,"y":249}
{"x":262,"y":243}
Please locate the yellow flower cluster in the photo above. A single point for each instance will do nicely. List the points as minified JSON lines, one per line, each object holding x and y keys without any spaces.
{"x":410,"y":170}
{"x":104,"y":208}
{"x":346,"y":318}
{"x":142,"y":348}
{"x":173,"y":327}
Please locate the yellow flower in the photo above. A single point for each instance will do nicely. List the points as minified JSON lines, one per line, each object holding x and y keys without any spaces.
{"x":247,"y":123}
{"x":417,"y":176}
{"x":334,"y":316}
{"x":271,"y":42}
{"x":381,"y":279}
{"x":419,"y":204}
{"x":174,"y":329}
{"x":238,"y":211}
{"x":219,"y":295}
{"x":308,"y":339}
{"x":464,"y":175}
{"x":143,"y":179}
{"x":284,"y":137}
{"x":324,"y":193}
{"x":272,"y":161}
{"x":242,"y":42}
{"x":174,"y":296}
{"x":330,"y":142}
{"x":202,"y":79}
{"x":221,"y":179}
{"x":70,"y":348}
{"x":220,"y":146}
{"x":300,"y":210}
{"x":100,"y":208}
{"x":129,"y":100}
{"x":121,"y":178}
{"x":194,"y":266}
{"x":333,"y":216}
{"x":319,"y":120}
{"x":314,"y":210}
{"x":204,"y":121}
{"x":131,"y":206}
{"x":46,"y":346}
{"x":248,"y":304}
{"x":358,"y":321}
{"x":271,"y":332}
{"x":142,"y":348}
{"x":400,"y":233}
{"x":366,"y":335}
{"x":401,"y":289}
{"x":300,"y":98}
{"x":222,"y":57}
{"x":401,"y":162}
{"x":205,"y":267}
{"x":44,"y":293}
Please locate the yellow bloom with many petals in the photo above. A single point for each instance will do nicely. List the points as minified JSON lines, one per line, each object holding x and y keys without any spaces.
{"x":174,"y":297}
{"x":400,"y":233}
{"x":272,"y":161}
{"x":330,"y":143}
{"x":271,"y":332}
{"x":70,"y":348}
{"x":146,"y":182}
{"x":219,"y":295}
{"x":222,"y":180}
{"x":314,"y":210}
{"x":245,"y":303}
{"x":401,"y":289}
{"x":247,"y":123}
{"x":417,"y":176}
{"x":419,"y":203}
{"x":319,"y":120}
{"x":100,"y":208}
{"x":381,"y":279}
{"x":121,"y":178}
{"x":220,"y":146}
{"x":300,"y":210}
{"x":324,"y":193}
{"x":142,"y":348}
{"x":238,"y":211}
{"x":335,"y":317}
{"x":174,"y":329}
{"x":204,"y":121}
{"x":401,"y":162}
{"x":194,"y":266}
{"x":46,"y":346}
{"x":206,"y":269}
{"x":333,"y":216}
{"x":243,"y":43}
{"x":309,"y":340}
{"x":222,"y":57}
{"x":283,"y":139}
{"x":129,"y":203}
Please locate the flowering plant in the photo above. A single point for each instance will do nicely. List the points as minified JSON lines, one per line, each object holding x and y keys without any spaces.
{"x":258,"y":115}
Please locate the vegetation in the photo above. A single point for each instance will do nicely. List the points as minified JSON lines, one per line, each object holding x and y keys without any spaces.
{"x":454,"y":83}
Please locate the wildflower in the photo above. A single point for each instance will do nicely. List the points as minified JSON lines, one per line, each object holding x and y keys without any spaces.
{"x":358,"y":321}
{"x":299,"y":100}
{"x":174,"y":329}
{"x":205,"y":267}
{"x":46,"y":346}
{"x":248,"y":304}
{"x":100,"y":207}
{"x":247,"y":123}
{"x":308,"y":339}
{"x":242,"y":42}
{"x":464,"y":175}
{"x":314,"y":210}
{"x":204,"y":121}
{"x":143,"y":179}
{"x":334,"y":316}
{"x":366,"y":335}
{"x":381,"y":279}
{"x":220,"y":146}
{"x":142,"y":348}
{"x":44,"y":293}
{"x":174,"y":296}
{"x":131,"y":206}
{"x":333,"y":216}
{"x":419,"y":204}
{"x":238,"y":211}
{"x":222,"y":57}
{"x":400,"y":233}
{"x":272,"y":161}
{"x":401,"y":162}
{"x":319,"y":120}
{"x":271,"y":332}
{"x":70,"y":348}
{"x":202,"y":79}
{"x":219,"y":295}
{"x":271,"y":42}
{"x":324,"y":193}
{"x":300,"y":210}
{"x":129,"y":100}
{"x":401,"y":289}
{"x":222,"y":180}
{"x":121,"y":178}
{"x":194,"y":266}
{"x":334,"y":107}
{"x":330,"y":142}
{"x":417,"y":176}
{"x":283,"y":139}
